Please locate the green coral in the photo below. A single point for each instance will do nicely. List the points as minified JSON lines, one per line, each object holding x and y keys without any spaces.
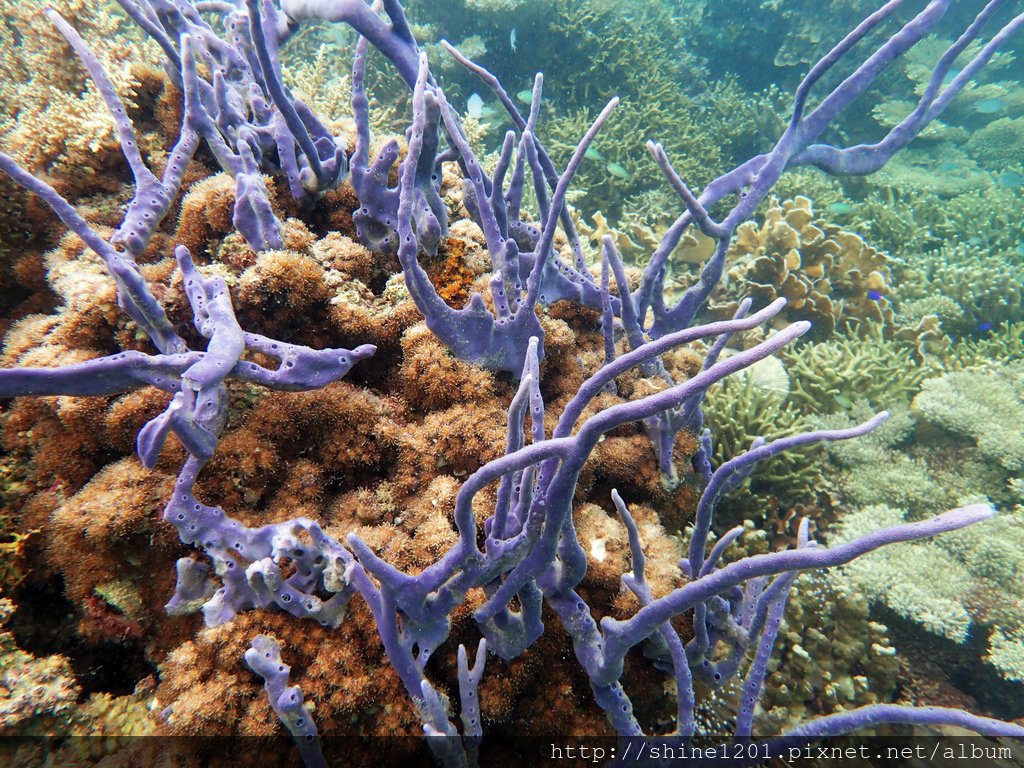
{"x":987,"y":284}
{"x":738,"y":411}
{"x":1006,"y":653}
{"x":873,"y":470}
{"x":984,"y":405}
{"x":830,"y":375}
{"x":1004,"y":344}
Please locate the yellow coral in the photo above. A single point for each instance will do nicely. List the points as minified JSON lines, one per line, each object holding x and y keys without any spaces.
{"x":828,"y":275}
{"x":55,"y":118}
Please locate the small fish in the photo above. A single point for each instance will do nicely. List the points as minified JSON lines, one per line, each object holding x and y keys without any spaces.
{"x":593,"y":154}
{"x":950,"y":76}
{"x":947,"y":166}
{"x":617,"y":171}
{"x":512,"y":39}
{"x":1011,"y":179}
{"x":984,"y":327}
{"x":475,"y":106}
{"x":844,"y":401}
{"x":988,"y":106}
{"x":1020,"y":249}
{"x":525,"y":96}
{"x":875,"y":295}
{"x":838,"y":209}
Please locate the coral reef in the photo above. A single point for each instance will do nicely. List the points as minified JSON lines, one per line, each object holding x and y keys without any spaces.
{"x":183,"y":347}
{"x":831,"y":375}
{"x":986,"y":406}
{"x":828,"y":275}
{"x":974,"y":585}
{"x":984,"y":282}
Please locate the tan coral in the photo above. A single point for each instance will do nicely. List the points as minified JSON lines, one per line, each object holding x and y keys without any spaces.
{"x":433,"y":378}
{"x":366,"y":318}
{"x":827,"y":275}
{"x":342,"y":673}
{"x":109,"y":532}
{"x":206,"y":213}
{"x":339,"y":253}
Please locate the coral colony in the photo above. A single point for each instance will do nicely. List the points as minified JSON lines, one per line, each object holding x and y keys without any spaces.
{"x":528,"y":554}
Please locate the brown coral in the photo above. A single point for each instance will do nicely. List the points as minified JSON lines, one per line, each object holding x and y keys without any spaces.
{"x":827,"y":275}
{"x":109,"y":544}
{"x":206,"y":213}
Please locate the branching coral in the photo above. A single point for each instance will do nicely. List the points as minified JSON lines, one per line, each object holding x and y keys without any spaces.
{"x":739,"y":410}
{"x":984,"y":282}
{"x":831,"y":375}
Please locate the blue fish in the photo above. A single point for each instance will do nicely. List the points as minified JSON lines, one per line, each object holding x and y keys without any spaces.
{"x":984,"y":327}
{"x":1011,"y":179}
{"x":988,"y":106}
{"x":875,"y":295}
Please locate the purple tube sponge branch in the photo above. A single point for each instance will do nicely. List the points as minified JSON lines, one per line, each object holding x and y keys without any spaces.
{"x":754,"y":179}
{"x":497,"y":341}
{"x":196,"y":415}
{"x":264,"y":658}
{"x":376,"y":219}
{"x":251,"y":122}
{"x":392,"y":37}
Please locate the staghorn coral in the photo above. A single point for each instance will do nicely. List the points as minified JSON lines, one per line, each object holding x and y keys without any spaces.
{"x":1004,"y":344}
{"x":831,"y":375}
